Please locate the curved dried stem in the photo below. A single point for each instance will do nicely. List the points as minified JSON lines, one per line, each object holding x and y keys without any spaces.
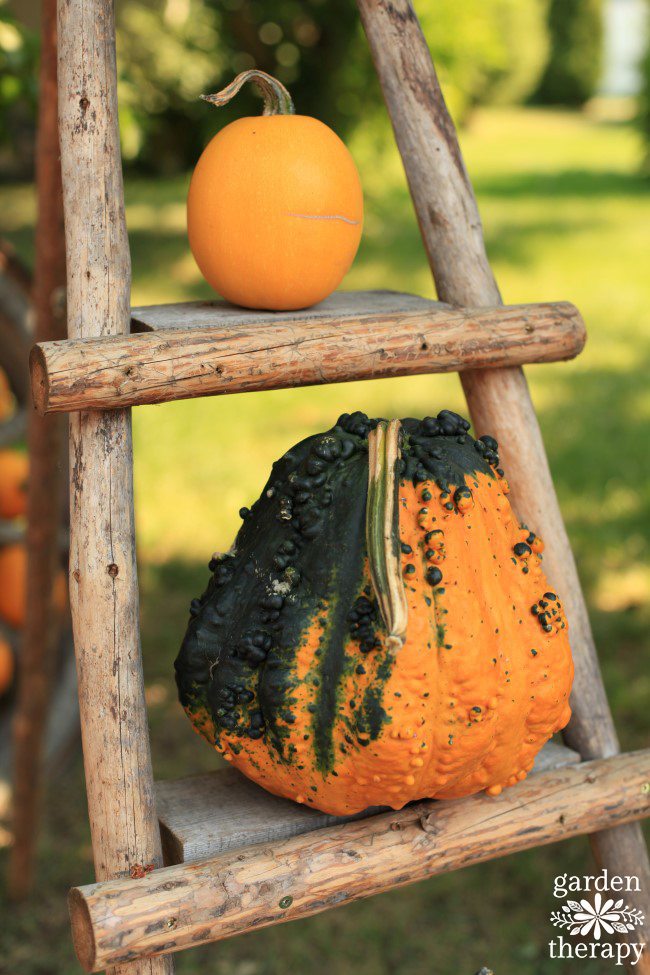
{"x":277,"y":100}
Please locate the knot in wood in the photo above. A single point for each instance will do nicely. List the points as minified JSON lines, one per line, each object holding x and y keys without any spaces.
{"x":428,"y":823}
{"x":112,"y":570}
{"x":139,"y":870}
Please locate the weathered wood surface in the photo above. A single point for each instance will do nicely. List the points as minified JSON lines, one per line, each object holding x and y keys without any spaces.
{"x":156,"y":367}
{"x":340,"y":305}
{"x":43,"y":624}
{"x":205,"y":815}
{"x":188,"y":904}
{"x":498,"y":399}
{"x":103,"y":580}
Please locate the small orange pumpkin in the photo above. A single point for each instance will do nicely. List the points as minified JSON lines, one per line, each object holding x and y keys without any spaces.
{"x":14,"y":468}
{"x":6,"y":665}
{"x":13,"y":586}
{"x":275,"y":207}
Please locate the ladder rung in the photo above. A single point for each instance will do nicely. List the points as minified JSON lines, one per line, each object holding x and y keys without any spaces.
{"x":204,"y":815}
{"x":205,"y":349}
{"x":189,"y":904}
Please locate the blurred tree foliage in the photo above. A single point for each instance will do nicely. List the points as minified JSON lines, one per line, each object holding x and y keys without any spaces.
{"x":171,"y":51}
{"x":18,"y":93}
{"x":486,"y":51}
{"x":643,"y":115}
{"x":574,"y":65}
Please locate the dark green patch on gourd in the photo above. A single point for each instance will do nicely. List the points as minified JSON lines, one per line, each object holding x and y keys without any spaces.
{"x":371,"y":716}
{"x":298,"y":558}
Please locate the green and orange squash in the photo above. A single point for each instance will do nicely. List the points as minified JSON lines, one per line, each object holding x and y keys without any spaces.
{"x":381,"y":630}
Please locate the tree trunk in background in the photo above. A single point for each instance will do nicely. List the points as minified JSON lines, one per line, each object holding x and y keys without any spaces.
{"x":45,"y":490}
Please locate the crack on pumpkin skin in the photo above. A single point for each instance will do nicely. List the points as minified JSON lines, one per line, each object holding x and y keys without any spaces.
{"x":456,"y":711}
{"x":323,"y":216}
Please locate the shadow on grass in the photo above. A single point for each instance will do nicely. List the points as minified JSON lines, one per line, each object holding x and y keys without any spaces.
{"x":579,"y":183}
{"x":596,"y":433}
{"x":153,"y":255}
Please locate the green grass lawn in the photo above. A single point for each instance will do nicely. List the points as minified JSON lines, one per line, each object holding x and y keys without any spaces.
{"x":566,"y":216}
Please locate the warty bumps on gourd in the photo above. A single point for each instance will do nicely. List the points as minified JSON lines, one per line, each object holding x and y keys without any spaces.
{"x":370,"y":640}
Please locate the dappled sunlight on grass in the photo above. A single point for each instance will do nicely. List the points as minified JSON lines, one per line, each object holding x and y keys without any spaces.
{"x":623,"y":588}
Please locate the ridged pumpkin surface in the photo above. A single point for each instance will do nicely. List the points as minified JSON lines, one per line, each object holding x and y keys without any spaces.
{"x":286,"y":667}
{"x":275,"y":212}
{"x":13,"y":585}
{"x":6,"y":665}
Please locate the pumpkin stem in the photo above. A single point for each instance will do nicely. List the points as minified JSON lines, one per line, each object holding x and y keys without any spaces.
{"x":382,"y":529}
{"x":277,"y":100}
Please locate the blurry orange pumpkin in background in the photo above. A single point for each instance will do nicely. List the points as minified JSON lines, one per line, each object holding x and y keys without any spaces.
{"x":14,"y":468}
{"x":6,"y":665}
{"x":13,"y":585}
{"x":7,"y":404}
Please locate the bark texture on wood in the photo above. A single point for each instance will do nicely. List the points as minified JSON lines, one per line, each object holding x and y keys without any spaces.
{"x":156,"y":367}
{"x":193,"y":903}
{"x":498,"y":400}
{"x":103,"y":580}
{"x":45,"y":490}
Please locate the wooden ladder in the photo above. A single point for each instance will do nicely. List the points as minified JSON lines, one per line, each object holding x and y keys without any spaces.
{"x":236,"y":857}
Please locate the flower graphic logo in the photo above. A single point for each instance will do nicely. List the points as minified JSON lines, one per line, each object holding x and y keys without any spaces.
{"x":583,"y":918}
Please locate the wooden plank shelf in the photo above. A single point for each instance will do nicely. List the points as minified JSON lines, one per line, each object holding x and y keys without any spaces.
{"x":211,"y":348}
{"x":202,"y":816}
{"x":188,"y":904}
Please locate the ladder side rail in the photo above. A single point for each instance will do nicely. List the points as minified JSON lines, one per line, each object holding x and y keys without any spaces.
{"x":498,"y":399}
{"x":103,"y":578}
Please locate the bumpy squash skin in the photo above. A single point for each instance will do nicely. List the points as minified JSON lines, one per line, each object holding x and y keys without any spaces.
{"x":285,"y":668}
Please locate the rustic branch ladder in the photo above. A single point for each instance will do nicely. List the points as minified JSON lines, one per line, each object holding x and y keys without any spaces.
{"x":248,"y":869}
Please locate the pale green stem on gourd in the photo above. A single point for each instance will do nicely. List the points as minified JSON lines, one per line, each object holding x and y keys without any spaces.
{"x":277,"y":100}
{"x":382,"y":530}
